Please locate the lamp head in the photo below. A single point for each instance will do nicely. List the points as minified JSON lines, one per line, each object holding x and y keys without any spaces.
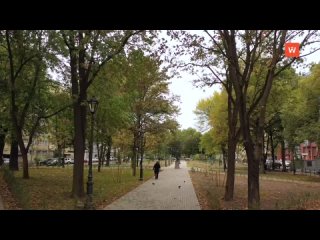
{"x":93,"y":105}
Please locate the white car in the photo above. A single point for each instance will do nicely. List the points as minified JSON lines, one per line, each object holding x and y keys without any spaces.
{"x":6,"y":160}
{"x":68,"y":161}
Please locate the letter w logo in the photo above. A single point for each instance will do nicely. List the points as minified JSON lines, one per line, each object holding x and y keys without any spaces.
{"x":292,"y":49}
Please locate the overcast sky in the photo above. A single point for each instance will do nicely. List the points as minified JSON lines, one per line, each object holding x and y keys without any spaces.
{"x":190,"y":95}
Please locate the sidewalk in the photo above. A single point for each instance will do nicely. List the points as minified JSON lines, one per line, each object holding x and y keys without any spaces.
{"x":161,"y":194}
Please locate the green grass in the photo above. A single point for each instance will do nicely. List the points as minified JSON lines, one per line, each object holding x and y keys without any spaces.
{"x":242,"y":169}
{"x":50,"y":188}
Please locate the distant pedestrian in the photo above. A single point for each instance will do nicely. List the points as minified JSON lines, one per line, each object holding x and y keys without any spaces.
{"x":156,"y":169}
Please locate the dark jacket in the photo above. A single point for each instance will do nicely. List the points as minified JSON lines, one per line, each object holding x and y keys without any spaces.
{"x":156,"y":167}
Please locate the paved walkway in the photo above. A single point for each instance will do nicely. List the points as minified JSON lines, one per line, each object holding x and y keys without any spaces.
{"x":172,"y":191}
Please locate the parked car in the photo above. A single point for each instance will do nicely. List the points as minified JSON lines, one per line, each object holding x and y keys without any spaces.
{"x":6,"y":158}
{"x":43,"y":162}
{"x":68,"y":161}
{"x":277,"y":164}
{"x":94,"y":161}
{"x":52,"y":162}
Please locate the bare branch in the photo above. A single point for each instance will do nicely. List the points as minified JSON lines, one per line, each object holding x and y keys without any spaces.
{"x":56,"y":112}
{"x":32,"y":132}
{"x":215,"y":42}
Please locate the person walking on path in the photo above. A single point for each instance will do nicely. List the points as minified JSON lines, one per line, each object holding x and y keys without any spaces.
{"x":156,"y":169}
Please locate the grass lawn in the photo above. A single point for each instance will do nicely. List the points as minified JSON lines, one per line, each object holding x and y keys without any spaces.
{"x":242,"y":170}
{"x":50,"y":187}
{"x":275,"y":194}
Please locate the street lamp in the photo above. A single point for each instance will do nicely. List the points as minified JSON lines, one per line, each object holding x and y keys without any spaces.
{"x":93,"y":104}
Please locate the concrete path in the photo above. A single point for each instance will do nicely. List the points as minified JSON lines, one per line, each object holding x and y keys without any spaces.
{"x":161,"y":194}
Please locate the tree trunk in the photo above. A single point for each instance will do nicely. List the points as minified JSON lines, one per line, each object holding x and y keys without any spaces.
{"x":233,"y":111}
{"x":135,"y":151}
{"x":2,"y":143}
{"x":283,"y":155}
{"x":109,"y":146}
{"x":60,"y":155}
{"x":99,"y":149}
{"x":108,"y":156}
{"x":259,"y":148}
{"x":101,"y":155}
{"x":134,"y":160}
{"x":266,"y":154}
{"x":79,"y":92}
{"x":253,"y":163}
{"x":293,"y":164}
{"x":24,"y":152}
{"x":14,"y":151}
{"x":253,"y":169}
{"x":79,"y":118}
{"x":79,"y":113}
{"x":272,"y":149}
{"x":104,"y":150}
{"x":119,"y":156}
{"x":25,"y":162}
{"x":228,"y":196}
{"x":224,"y":156}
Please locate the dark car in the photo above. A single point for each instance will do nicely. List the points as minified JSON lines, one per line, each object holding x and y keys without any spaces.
{"x":43,"y":162}
{"x":49,"y":162}
{"x":53,"y":162}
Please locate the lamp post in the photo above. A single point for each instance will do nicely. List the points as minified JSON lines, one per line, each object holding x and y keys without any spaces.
{"x":93,"y":104}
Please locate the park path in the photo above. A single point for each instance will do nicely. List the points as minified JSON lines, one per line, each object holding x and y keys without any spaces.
{"x":172,"y":191}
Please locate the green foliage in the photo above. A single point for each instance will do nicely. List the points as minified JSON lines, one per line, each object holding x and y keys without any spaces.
{"x":190,"y":141}
{"x":175,"y":147}
{"x":300,"y":112}
{"x":213,"y":112}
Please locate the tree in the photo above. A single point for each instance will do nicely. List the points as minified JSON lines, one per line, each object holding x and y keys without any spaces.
{"x":113,"y":114}
{"x":26,"y":51}
{"x":60,"y":127}
{"x":88,"y":52}
{"x":207,"y":61}
{"x":4,"y":117}
{"x":175,"y":147}
{"x":215,"y":113}
{"x":283,"y":86}
{"x":300,"y":113}
{"x":238,"y":52}
{"x":256,"y":43}
{"x":308,"y":107}
{"x":151,"y":107}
